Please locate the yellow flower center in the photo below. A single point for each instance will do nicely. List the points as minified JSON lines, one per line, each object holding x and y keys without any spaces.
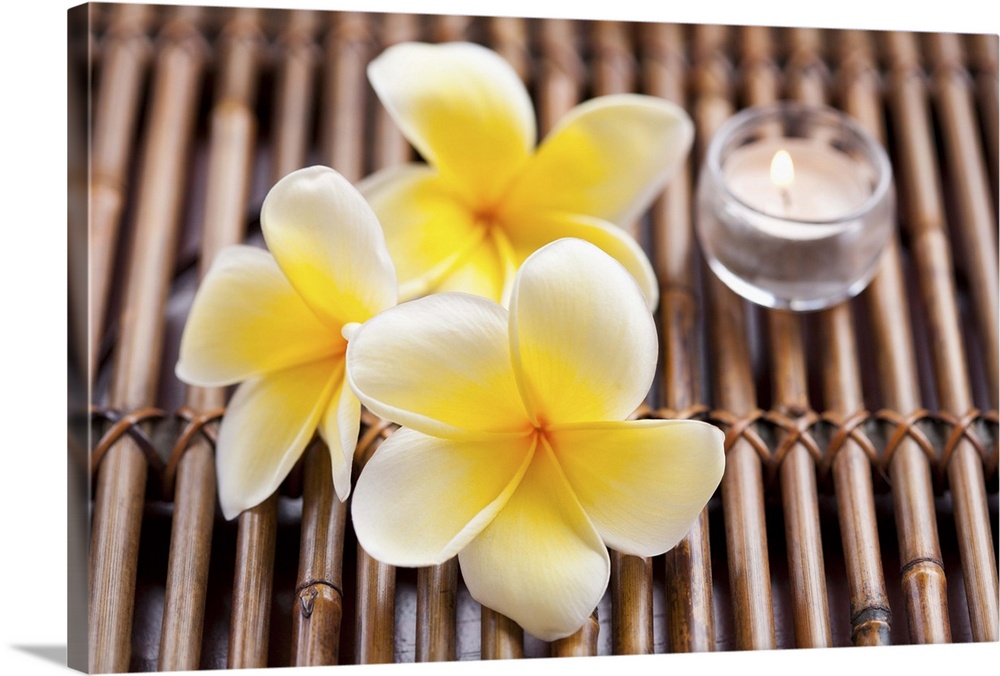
{"x":488,"y":218}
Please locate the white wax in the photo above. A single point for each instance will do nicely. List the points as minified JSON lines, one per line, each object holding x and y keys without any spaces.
{"x":827,"y":184}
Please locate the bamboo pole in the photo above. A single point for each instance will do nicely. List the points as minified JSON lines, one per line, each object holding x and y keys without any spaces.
{"x":852,"y":476}
{"x":232,"y":136}
{"x":348,"y":50}
{"x":295,"y":106}
{"x":562,"y":72}
{"x":803,"y":539}
{"x":976,"y":217}
{"x":121,"y":479}
{"x":500,"y":637}
{"x":391,"y":147}
{"x":583,"y":642}
{"x":742,"y":483}
{"x":127,"y":49}
{"x":688,"y":566}
{"x":932,"y":254}
{"x":318,"y":611}
{"x":614,"y":71}
{"x":450,"y":28}
{"x":509,"y":38}
{"x":870,"y":612}
{"x":253,"y":586}
{"x":923,"y":579}
{"x":983,"y":52}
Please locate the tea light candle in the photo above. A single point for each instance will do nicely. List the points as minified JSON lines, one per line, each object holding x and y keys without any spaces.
{"x":794,"y":179}
{"x":795,"y":205}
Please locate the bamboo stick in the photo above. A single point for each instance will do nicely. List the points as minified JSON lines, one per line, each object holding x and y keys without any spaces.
{"x":852,"y":475}
{"x":318,"y":611}
{"x":932,"y":253}
{"x":803,"y":539}
{"x":923,"y":582}
{"x":688,"y":566}
{"x":509,"y":38}
{"x":976,"y":217}
{"x":391,"y":147}
{"x":983,"y":52}
{"x":295,"y":107}
{"x":583,"y":643}
{"x":500,"y":637}
{"x":614,"y":72}
{"x":870,"y":612}
{"x":316,"y":618}
{"x":451,"y":28}
{"x":742,"y":483}
{"x":127,"y":49}
{"x":232,"y":136}
{"x":253,"y":586}
{"x":562,"y":71}
{"x":437,"y":592}
{"x":348,"y":50}
{"x":375,"y":626}
{"x":121,"y":480}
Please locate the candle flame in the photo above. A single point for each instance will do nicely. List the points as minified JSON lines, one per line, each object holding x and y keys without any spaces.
{"x":782,"y":170}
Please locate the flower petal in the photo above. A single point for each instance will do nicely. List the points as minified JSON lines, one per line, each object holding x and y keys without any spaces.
{"x":420,"y":499}
{"x":540,"y":561}
{"x":582,"y":339}
{"x":339,"y":427}
{"x":536,"y":230}
{"x":480,"y":271}
{"x":440,"y":365}
{"x":427,"y":229}
{"x":266,"y":427}
{"x":641,"y":482}
{"x":608,"y":157}
{"x":247,"y":321}
{"x":329,"y":243}
{"x":464,"y":109}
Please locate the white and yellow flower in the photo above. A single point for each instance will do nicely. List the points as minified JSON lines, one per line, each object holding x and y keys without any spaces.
{"x":275,"y":323}
{"x":487,"y":197}
{"x":514,"y":452}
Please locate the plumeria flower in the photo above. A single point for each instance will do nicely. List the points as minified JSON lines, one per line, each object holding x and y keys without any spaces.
{"x":514,"y":452}
{"x":487,"y":197}
{"x":275,"y":323}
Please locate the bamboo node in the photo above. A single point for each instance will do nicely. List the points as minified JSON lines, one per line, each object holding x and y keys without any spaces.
{"x":307,"y":599}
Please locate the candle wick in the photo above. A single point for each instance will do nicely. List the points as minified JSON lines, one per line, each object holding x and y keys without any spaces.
{"x":786,"y":199}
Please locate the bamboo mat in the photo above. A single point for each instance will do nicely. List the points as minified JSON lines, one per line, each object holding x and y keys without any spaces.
{"x":859,"y":504}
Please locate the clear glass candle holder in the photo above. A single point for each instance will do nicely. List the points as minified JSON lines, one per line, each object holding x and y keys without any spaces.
{"x":795,"y":205}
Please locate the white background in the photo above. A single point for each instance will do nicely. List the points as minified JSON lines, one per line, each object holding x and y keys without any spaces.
{"x":33,"y":325}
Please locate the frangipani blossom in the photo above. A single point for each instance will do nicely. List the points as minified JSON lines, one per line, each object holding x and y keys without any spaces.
{"x":488,"y":198}
{"x":514,"y":452}
{"x":275,"y":323}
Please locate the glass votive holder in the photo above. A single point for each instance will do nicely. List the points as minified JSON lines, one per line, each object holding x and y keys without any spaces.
{"x":795,"y":205}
